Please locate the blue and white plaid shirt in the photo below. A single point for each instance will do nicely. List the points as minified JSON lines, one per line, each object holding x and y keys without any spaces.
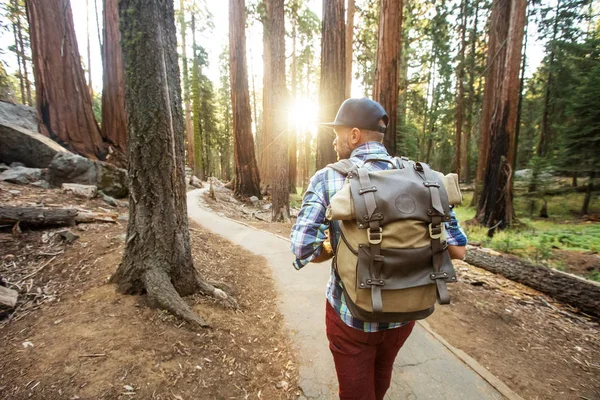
{"x":308,"y":234}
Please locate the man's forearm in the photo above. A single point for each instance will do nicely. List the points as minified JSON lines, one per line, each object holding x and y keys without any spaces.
{"x":457,"y":252}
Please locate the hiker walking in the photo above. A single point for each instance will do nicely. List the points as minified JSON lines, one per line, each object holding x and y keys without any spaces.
{"x":391,"y":236}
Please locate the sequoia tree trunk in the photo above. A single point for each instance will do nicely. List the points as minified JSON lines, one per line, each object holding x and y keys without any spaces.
{"x":385,"y":88}
{"x":349,"y":35}
{"x":114,"y":119}
{"x":332,"y":89}
{"x":246,"y":180}
{"x":281,"y":188}
{"x":157,"y":258}
{"x":495,"y":208}
{"x":63,"y":101}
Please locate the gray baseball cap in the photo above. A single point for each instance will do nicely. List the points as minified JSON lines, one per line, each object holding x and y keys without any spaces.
{"x":360,"y":113}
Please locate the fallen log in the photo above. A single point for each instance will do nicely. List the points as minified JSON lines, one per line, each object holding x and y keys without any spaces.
{"x":8,"y":299}
{"x":37,"y":216}
{"x":566,"y":288}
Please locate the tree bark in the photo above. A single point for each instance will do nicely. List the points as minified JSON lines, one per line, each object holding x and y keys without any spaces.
{"x":461,"y":89}
{"x":247,"y":180}
{"x":89,"y":53}
{"x":332,"y":88}
{"x":189,"y":129}
{"x":114,"y":118}
{"x":566,"y":288}
{"x":280,"y":167}
{"x":495,"y":208}
{"x":385,"y":88}
{"x":588,"y":194}
{"x":293,"y":133}
{"x":349,"y":35}
{"x":157,"y":258}
{"x":266,"y":159}
{"x":63,"y":101}
{"x":521,"y":88}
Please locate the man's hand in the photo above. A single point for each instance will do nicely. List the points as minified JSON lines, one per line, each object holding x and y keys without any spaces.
{"x":457,"y":252}
{"x":326,"y":253}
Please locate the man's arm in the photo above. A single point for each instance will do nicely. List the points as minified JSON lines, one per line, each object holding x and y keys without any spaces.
{"x":456,"y":238}
{"x":309,"y":232}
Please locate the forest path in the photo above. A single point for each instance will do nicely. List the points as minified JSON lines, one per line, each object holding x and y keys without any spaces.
{"x":427,"y":367}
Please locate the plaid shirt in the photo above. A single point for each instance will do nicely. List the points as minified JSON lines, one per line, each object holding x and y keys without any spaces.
{"x":308,"y":234}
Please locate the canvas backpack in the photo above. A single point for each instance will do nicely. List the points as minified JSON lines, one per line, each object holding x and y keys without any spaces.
{"x":392,"y":256}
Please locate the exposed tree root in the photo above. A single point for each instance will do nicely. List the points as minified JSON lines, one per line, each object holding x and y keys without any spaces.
{"x":162,"y":294}
{"x":218,"y":290}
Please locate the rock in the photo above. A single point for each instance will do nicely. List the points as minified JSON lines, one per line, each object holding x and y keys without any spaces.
{"x":14,"y":192}
{"x":195,"y":182}
{"x":68,"y":236}
{"x":8,"y":299}
{"x":112,"y":201}
{"x":41,"y":184}
{"x":17,"y":164}
{"x":217,"y":182}
{"x":267,"y":207}
{"x":84,"y":191}
{"x":27,"y":147}
{"x":3,"y":167}
{"x":71,"y":168}
{"x":282,"y":385}
{"x":18,"y":114}
{"x":21,"y":175}
{"x":255,"y":201}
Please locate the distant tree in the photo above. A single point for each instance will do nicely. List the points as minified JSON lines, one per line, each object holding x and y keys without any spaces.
{"x":385,"y":89}
{"x":349,"y":41}
{"x":114,"y":119}
{"x":333,"y":79}
{"x":63,"y":99}
{"x":366,"y":33}
{"x":16,"y":15}
{"x":247,"y":180}
{"x":189,"y":129}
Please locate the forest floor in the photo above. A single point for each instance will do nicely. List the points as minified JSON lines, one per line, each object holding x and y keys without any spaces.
{"x":73,"y":337}
{"x":539,"y":348}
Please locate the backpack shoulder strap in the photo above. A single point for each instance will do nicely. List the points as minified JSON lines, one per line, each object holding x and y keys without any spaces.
{"x":343,"y":166}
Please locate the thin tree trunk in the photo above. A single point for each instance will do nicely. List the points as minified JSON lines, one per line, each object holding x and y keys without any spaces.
{"x":495,"y":209}
{"x":521,"y":88}
{"x":19,"y":61}
{"x":89,"y":52}
{"x":189,"y":128}
{"x":546,"y":133}
{"x":281,"y":186}
{"x":255,"y":113}
{"x":247,"y":180}
{"x":307,"y":147}
{"x":114,"y":118}
{"x":64,"y":104}
{"x":266,"y":163}
{"x":21,"y":45}
{"x":332,"y":88}
{"x":469,"y":127}
{"x":293,"y":134}
{"x":461,"y":88}
{"x":588,"y":194}
{"x":349,"y":35}
{"x":157,"y":258}
{"x":385,"y":87}
{"x":199,"y":170}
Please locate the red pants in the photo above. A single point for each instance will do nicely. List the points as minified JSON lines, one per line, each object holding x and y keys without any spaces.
{"x":363,"y":360}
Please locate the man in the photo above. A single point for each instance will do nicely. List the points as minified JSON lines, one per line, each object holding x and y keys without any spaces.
{"x":363,"y":352}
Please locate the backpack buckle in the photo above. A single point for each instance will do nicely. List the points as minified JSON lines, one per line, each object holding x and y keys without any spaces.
{"x":375,"y":237}
{"x":435,"y":232}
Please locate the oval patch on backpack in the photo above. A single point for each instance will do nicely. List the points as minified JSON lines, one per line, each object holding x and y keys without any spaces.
{"x":405,"y":204}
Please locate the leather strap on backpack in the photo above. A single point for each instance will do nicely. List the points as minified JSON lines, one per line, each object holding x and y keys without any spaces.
{"x":435,"y":232}
{"x":343,"y":166}
{"x":374,"y":235}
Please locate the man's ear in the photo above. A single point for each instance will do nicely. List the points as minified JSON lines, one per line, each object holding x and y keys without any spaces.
{"x":355,"y":135}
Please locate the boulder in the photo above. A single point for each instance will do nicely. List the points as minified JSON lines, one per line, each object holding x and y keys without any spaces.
{"x":28,"y":147}
{"x":19,"y":115}
{"x":255,"y":201}
{"x":195,"y":182}
{"x":84,"y":191}
{"x":21,"y":175}
{"x":71,"y":168}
